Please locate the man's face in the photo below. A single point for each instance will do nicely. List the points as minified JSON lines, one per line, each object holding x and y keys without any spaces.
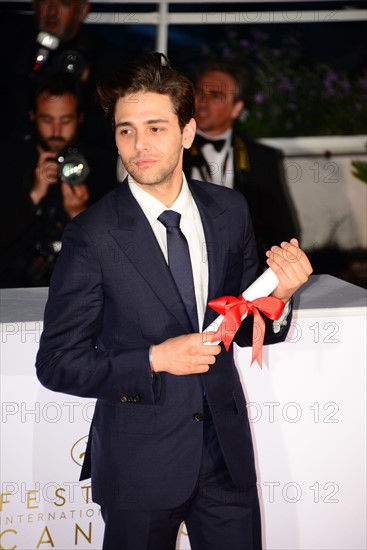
{"x":61,"y":17}
{"x":216,"y":109}
{"x":150,"y":141}
{"x":56,"y":121}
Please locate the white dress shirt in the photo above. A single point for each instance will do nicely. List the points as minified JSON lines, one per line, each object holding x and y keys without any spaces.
{"x":220,"y":163}
{"x":191,"y":227}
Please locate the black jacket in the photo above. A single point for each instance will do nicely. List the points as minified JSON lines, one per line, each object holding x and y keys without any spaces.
{"x":259,"y":176}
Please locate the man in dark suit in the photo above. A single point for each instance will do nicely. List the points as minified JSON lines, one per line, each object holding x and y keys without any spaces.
{"x":224,"y":154}
{"x":170,"y":439}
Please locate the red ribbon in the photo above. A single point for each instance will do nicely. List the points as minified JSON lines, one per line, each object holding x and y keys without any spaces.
{"x":233,"y":310}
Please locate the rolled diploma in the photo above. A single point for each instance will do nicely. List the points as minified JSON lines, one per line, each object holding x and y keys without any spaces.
{"x":263,"y":286}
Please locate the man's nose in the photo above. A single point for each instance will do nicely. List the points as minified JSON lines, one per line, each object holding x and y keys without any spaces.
{"x":201,"y":97}
{"x":53,"y":8}
{"x":56,"y":128}
{"x":141,"y":141}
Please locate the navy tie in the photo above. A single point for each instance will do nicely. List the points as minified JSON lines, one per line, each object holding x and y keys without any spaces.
{"x":179,"y":262}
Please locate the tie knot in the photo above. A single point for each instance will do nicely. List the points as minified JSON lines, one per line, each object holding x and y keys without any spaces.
{"x":170,"y":218}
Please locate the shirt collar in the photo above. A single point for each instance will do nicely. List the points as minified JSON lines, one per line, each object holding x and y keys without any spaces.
{"x":227,"y":135}
{"x":153,"y":207}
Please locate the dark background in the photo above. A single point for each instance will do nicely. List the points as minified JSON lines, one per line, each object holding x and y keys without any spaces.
{"x":341,"y":45}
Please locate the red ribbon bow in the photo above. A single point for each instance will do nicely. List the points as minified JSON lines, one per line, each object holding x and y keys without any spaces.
{"x":233,"y":310}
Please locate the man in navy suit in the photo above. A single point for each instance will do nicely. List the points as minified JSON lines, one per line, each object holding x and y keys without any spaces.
{"x":170,"y":439}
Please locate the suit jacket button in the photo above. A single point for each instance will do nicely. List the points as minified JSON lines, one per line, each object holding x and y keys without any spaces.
{"x":123,"y":398}
{"x":199,"y":417}
{"x":136,"y":398}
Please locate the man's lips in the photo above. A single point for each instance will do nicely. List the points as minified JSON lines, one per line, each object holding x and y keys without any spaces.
{"x":144,"y":162}
{"x":51,"y":25}
{"x":52,"y":21}
{"x":201,"y":114}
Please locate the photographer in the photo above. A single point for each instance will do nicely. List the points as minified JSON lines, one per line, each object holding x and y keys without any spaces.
{"x":47,"y":177}
{"x":54,"y":38}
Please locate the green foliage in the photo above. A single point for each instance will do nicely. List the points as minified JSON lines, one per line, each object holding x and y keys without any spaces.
{"x":360,"y":170}
{"x":289,"y":98}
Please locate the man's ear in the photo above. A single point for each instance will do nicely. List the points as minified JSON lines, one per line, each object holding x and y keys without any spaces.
{"x":84,"y":10}
{"x":238,"y":107}
{"x":31,"y":115}
{"x":84,"y":77}
{"x":188,"y":133}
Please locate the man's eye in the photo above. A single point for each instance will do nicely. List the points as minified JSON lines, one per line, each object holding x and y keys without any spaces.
{"x":156,"y":130}
{"x":218,"y":96}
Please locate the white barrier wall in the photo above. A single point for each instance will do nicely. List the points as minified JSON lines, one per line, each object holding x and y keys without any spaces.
{"x":43,"y":438}
{"x":308,"y":411}
{"x":325,"y":190}
{"x":329,"y":200}
{"x":308,"y":417}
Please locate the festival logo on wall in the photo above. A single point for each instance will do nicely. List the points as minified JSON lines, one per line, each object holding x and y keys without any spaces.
{"x":49,"y":514}
{"x":42,"y":503}
{"x":77,"y":452}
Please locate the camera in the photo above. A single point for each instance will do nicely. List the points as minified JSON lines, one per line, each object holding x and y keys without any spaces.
{"x":71,"y":62}
{"x":46,"y":44}
{"x":73,"y":167}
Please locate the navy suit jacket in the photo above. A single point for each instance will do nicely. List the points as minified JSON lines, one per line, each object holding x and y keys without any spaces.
{"x":111,"y":297}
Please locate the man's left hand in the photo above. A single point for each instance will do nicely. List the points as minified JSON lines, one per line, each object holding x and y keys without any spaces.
{"x":292,"y":267}
{"x":75,"y":198}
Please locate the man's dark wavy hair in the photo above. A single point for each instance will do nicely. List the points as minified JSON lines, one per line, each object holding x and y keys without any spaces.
{"x":149,"y":73}
{"x":57,"y":84}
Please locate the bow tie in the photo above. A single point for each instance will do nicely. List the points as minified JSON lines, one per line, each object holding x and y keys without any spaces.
{"x":217,"y":143}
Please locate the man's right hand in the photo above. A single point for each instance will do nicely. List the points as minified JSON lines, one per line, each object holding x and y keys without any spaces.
{"x":185,"y":354}
{"x":45,"y":174}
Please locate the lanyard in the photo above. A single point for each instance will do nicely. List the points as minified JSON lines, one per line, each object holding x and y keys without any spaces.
{"x":205,"y":171}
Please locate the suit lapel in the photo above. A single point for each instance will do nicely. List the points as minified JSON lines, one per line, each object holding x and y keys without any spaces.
{"x":216,"y":236}
{"x":139,"y":244}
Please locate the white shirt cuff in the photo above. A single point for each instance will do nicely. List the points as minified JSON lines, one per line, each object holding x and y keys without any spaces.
{"x":283,"y":318}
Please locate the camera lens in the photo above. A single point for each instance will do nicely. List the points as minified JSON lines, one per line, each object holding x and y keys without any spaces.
{"x":73,"y":169}
{"x":72,"y":62}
